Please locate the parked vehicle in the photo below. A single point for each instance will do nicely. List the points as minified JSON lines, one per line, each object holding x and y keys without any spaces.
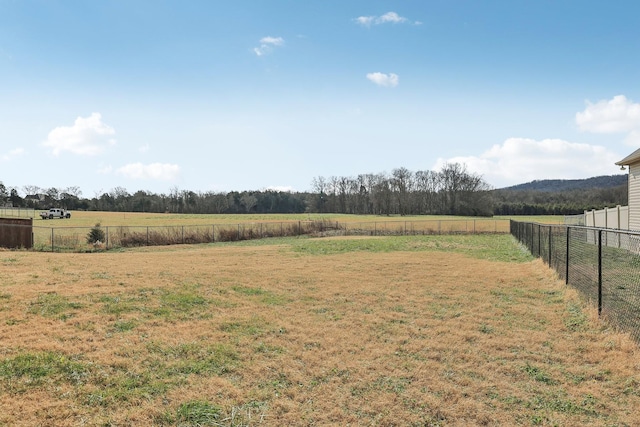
{"x":55,"y":213}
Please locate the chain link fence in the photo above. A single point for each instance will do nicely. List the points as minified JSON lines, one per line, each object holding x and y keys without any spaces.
{"x":88,"y":239}
{"x":602,"y":264}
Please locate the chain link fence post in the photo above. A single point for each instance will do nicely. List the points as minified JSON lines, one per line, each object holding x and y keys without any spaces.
{"x":599,"y":272}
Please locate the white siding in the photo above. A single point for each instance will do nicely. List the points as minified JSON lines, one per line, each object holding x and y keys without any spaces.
{"x":634,"y":197}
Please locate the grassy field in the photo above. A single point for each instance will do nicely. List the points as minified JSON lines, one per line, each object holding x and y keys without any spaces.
{"x":428,"y":330}
{"x":89,"y":219}
{"x":140,"y":229}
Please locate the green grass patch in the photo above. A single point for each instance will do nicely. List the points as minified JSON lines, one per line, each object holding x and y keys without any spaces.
{"x":185,"y":304}
{"x":558,"y":402}
{"x":193,"y":358}
{"x":161,"y":369}
{"x":269,"y":350}
{"x":198,"y":413}
{"x":252,"y":327}
{"x":538,"y":374}
{"x":118,"y":305}
{"x":53,"y":305}
{"x":577,"y":320}
{"x":488,"y":247}
{"x":34,"y":368}
{"x":265,"y":296}
{"x":124,"y":325}
{"x":115,"y":386}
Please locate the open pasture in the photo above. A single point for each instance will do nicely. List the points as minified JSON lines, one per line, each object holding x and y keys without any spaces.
{"x":139,"y":229}
{"x":137,"y":219}
{"x":422,"y":330}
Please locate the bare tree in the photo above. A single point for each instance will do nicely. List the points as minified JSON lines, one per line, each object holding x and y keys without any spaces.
{"x":401,"y":184}
{"x":31,"y":190}
{"x":319,"y":186}
{"x":73,"y":191}
{"x":249,"y":201}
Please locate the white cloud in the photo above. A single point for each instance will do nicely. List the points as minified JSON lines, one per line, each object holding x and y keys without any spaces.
{"x":267,"y":44}
{"x":389,"y":17}
{"x":520,"y":160}
{"x":610,"y":116}
{"x":88,"y":137}
{"x":382,"y":79}
{"x":12,"y":154}
{"x":365,"y":20}
{"x":153,"y":171}
{"x":275,"y":41}
{"x":633,"y":139}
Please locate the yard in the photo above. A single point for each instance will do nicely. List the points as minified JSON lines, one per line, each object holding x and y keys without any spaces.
{"x":423,"y":330}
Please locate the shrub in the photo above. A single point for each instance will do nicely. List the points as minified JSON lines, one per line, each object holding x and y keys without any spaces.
{"x":96,"y":235}
{"x":228,"y":235}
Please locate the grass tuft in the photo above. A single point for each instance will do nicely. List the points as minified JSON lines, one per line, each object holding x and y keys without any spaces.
{"x":53,"y":305}
{"x":198,"y":413}
{"x":577,"y":320}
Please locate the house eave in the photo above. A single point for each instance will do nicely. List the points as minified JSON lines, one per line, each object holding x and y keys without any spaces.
{"x":630,"y":159}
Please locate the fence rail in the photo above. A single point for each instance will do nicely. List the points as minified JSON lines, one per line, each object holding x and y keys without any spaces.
{"x":75,"y":239}
{"x":602,"y":264}
{"x":10,"y":212}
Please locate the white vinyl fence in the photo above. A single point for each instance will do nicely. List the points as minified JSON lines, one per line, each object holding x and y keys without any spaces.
{"x":616,"y":218}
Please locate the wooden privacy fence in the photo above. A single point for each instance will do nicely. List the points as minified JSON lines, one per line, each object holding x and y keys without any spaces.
{"x":16,"y":233}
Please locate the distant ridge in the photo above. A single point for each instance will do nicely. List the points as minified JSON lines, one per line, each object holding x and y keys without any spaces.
{"x":558,"y":185}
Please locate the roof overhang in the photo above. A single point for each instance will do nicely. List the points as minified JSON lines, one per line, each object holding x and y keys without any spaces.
{"x":630,"y":159}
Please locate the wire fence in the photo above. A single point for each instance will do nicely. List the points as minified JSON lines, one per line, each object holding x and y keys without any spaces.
{"x":88,"y":239}
{"x":602,"y":264}
{"x":11,"y":212}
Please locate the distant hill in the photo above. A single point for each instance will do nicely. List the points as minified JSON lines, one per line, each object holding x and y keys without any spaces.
{"x":559,"y":185}
{"x":561,"y":196}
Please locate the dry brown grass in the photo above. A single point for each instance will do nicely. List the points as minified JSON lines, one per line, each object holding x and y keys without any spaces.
{"x":275,"y":335}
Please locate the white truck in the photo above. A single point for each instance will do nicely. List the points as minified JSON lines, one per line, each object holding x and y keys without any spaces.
{"x":55,"y":213}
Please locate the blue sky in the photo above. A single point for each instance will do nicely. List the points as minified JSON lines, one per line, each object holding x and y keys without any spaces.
{"x":247,"y":95}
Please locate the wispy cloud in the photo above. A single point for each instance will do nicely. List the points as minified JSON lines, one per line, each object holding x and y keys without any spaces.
{"x":267,"y":44}
{"x":617,"y":115}
{"x":519,"y":160}
{"x":88,"y":137}
{"x":387,"y":18}
{"x":382,"y":79}
{"x":12,"y":154}
{"x":153,"y":171}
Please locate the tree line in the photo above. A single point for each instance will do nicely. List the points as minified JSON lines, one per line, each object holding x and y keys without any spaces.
{"x":452,"y":190}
